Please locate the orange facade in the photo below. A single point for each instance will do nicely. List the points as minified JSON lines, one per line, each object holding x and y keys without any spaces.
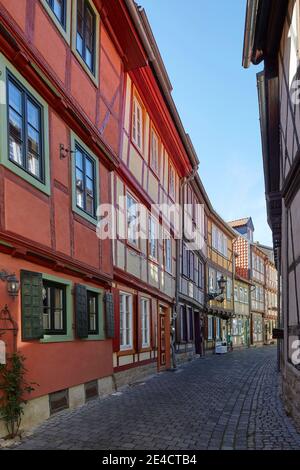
{"x":40,"y":231}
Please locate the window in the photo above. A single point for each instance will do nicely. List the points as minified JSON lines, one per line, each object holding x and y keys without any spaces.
{"x":171,"y":182}
{"x":201,"y":275}
{"x":125,"y":321}
{"x":242,"y":295}
{"x":185,"y":260}
{"x":154,"y":153}
{"x":210,"y":328}
{"x":168,"y":255}
{"x":153,"y":238}
{"x":246,"y":295}
{"x":229,"y":288}
{"x":86,"y":33}
{"x":212,"y":281}
{"x":54,"y":308}
{"x":132,"y":220}
{"x":145,"y":322}
{"x":218,"y":328}
{"x":85,"y":181}
{"x":191,"y":266}
{"x":235,"y":331}
{"x":92,"y":306}
{"x":236,"y":294}
{"x":25,"y":118}
{"x":137,"y":124}
{"x":59,"y":9}
{"x":219,"y":241}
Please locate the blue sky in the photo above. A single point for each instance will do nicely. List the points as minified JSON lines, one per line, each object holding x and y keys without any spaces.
{"x":201,"y":44}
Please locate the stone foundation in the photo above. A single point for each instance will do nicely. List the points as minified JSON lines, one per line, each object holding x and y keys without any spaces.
{"x":291,"y":393}
{"x":134,"y":374}
{"x":182,"y":357}
{"x":37,"y":410}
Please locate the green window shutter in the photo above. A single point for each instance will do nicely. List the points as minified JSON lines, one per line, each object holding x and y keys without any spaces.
{"x":109,"y":316}
{"x":81,"y":311}
{"x":32,"y":305}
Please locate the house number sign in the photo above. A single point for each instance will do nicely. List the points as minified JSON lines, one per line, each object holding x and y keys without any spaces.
{"x":2,"y":352}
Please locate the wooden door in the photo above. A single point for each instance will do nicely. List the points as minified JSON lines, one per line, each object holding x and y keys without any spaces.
{"x":164,"y":339}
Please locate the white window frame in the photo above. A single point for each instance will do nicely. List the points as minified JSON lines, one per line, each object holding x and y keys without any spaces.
{"x":168,"y":255}
{"x":172,"y":190}
{"x":229,"y":289}
{"x":145,"y":322}
{"x":124,"y":346}
{"x":209,"y":327}
{"x":154,"y":151}
{"x":132,"y":230}
{"x":137,"y":123}
{"x":212,"y":280}
{"x":218,"y":328}
{"x":153,"y":238}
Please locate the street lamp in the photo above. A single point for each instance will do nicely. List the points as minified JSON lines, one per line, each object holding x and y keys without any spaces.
{"x":13,"y":284}
{"x":222,"y":282}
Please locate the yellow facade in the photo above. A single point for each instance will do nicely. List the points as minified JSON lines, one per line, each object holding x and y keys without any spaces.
{"x":222,"y":262}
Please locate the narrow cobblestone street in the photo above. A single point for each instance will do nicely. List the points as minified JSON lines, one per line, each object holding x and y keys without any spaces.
{"x":220,"y":402}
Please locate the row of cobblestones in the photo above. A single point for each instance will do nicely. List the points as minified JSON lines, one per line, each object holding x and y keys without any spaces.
{"x":219,"y":402}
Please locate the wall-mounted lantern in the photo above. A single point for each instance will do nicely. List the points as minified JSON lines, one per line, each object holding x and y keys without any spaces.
{"x":222,"y":282}
{"x":13,"y":284}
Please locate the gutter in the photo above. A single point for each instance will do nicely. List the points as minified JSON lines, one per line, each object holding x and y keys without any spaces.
{"x":249,"y":35}
{"x":161,"y":76}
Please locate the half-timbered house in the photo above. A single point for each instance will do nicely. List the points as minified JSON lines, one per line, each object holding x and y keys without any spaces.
{"x":272,"y":36}
{"x":191,"y":287}
{"x":220,"y":265}
{"x":155,"y":155}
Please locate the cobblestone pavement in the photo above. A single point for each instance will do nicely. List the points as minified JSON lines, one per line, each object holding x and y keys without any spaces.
{"x":219,"y":402}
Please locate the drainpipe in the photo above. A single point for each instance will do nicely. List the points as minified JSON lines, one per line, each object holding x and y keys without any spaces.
{"x":183,"y":184}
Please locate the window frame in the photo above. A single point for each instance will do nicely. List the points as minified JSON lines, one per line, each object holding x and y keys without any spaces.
{"x":69,"y":335}
{"x":129,"y":346}
{"x":145,"y":301}
{"x":55,"y":285}
{"x":8,"y":70}
{"x":153,"y":133}
{"x":94,"y":76}
{"x":152,"y":220}
{"x":137,"y":105}
{"x":168,"y":265}
{"x":218,"y":328}
{"x":172,"y":193}
{"x":94,"y":294}
{"x":86,"y":157}
{"x":75,"y":140}
{"x":65,"y":30}
{"x":135,"y":243}
{"x":210,"y":328}
{"x":26,"y":97}
{"x":87,"y":9}
{"x":63,"y":20}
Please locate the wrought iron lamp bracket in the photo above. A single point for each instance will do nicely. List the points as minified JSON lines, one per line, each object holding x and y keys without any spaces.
{"x":65,"y":152}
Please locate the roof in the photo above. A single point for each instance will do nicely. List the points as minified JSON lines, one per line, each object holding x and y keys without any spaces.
{"x":241,"y":222}
{"x":145,"y":33}
{"x":269,"y":251}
